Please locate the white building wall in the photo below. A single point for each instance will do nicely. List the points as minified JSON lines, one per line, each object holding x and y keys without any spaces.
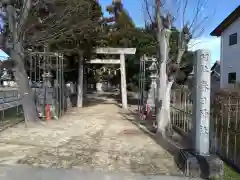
{"x":230,"y":55}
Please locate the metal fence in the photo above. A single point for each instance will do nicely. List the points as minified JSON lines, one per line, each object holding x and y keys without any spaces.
{"x":224,"y":122}
{"x":181,"y":110}
{"x":10,"y":108}
{"x":11,"y":111}
{"x":46,"y":76}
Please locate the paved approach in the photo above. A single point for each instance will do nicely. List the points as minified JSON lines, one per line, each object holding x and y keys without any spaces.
{"x":99,"y":137}
{"x":29,"y":173}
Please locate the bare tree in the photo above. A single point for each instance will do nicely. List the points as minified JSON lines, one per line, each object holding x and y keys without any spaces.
{"x":189,"y":21}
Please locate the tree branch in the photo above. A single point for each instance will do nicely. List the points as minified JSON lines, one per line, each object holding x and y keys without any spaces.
{"x":146,"y":4}
{"x":23,"y":16}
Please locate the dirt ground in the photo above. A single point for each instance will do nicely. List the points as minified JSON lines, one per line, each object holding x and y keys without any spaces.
{"x":99,"y":136}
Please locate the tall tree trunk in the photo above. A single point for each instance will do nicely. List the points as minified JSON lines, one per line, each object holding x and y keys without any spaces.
{"x":17,"y":55}
{"x":163,"y":35}
{"x":27,"y":98}
{"x":161,"y":82}
{"x":85,"y":84}
{"x":80,"y":81}
{"x":165,"y":110}
{"x":163,"y":78}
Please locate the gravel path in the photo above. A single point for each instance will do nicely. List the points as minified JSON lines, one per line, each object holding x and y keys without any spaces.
{"x":98,"y":137}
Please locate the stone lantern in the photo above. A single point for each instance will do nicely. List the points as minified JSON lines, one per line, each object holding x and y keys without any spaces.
{"x":153,"y":86}
{"x":47,"y":78}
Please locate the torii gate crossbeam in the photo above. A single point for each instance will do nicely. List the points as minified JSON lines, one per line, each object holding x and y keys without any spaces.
{"x":116,"y":51}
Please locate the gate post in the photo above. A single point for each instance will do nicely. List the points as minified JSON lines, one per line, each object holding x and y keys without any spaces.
{"x":123,"y":81}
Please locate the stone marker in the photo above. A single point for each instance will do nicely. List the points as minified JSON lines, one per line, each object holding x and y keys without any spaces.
{"x":198,"y":161}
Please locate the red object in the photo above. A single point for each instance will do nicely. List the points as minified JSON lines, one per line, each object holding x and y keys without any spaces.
{"x":48,"y":112}
{"x":147,"y":111}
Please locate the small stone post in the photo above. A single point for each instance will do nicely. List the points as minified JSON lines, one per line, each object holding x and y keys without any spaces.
{"x":123,"y":81}
{"x":202,"y":101}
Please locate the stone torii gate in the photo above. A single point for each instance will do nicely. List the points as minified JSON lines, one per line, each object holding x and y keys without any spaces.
{"x":113,"y":51}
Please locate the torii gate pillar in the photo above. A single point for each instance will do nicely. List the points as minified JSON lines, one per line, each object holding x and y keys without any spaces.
{"x":123,"y":81}
{"x":117,"y":51}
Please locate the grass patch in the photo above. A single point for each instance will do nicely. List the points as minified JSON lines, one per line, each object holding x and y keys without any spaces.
{"x":229,"y":174}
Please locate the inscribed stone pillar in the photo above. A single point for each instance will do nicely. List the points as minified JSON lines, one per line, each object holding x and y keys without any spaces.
{"x":123,"y":81}
{"x":202,"y":101}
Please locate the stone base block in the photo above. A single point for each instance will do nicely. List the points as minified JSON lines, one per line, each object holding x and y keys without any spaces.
{"x":194,"y":165}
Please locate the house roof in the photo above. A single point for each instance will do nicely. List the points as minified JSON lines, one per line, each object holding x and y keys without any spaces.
{"x":226,"y":22}
{"x":216,"y":68}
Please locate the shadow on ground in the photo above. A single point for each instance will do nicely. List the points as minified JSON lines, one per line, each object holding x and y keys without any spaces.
{"x":172,"y":143}
{"x":118,"y":98}
{"x":92,"y":100}
{"x":100,"y":137}
{"x":76,"y":152}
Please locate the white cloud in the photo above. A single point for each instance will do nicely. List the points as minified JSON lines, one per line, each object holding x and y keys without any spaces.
{"x":210,"y":43}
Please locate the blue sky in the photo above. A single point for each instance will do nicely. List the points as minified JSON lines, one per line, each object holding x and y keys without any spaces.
{"x":222,"y":9}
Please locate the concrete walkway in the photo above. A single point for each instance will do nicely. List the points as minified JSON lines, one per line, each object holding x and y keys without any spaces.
{"x":27,"y":173}
{"x":100,"y":137}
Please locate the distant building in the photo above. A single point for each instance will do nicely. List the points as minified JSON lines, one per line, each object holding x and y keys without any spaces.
{"x":229,"y":31}
{"x":5,"y":77}
{"x":215,"y":77}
